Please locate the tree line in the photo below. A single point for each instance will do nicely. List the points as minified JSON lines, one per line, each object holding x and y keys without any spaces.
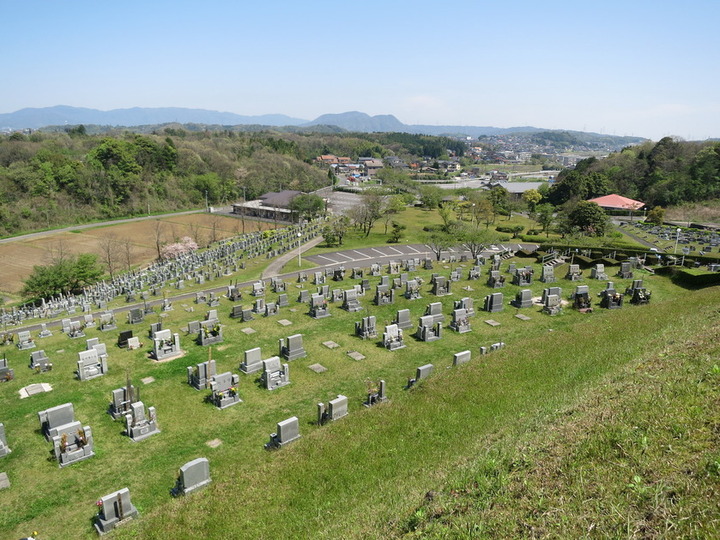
{"x":49,"y":179}
{"x":666,"y":173}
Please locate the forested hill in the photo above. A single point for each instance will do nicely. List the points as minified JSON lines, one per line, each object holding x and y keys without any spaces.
{"x":665,"y":173}
{"x":70,"y":177}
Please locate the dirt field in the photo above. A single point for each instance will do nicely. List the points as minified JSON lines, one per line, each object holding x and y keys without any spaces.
{"x":19,"y":257}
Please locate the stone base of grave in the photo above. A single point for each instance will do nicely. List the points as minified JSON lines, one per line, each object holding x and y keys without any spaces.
{"x":74,"y":456}
{"x":228,"y":401}
{"x":103,"y":527}
{"x":31,"y":390}
{"x":167,"y":358}
{"x":461,"y":328}
{"x":252,"y":368}
{"x":141,"y":433}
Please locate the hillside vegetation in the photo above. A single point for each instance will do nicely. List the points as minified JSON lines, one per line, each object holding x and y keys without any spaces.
{"x":669,"y":172}
{"x":53,"y":179}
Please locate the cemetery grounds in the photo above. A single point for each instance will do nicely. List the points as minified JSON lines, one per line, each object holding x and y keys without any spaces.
{"x":434,"y":460}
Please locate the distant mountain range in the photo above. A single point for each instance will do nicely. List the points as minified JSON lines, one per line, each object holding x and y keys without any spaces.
{"x":137,"y":116}
{"x":36,"y":118}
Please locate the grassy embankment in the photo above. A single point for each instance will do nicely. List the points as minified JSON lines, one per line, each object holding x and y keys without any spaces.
{"x":362,"y":476}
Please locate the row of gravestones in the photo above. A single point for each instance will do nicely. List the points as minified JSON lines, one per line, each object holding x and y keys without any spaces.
{"x":220,"y":260}
{"x":73,"y":442}
{"x":711,"y":239}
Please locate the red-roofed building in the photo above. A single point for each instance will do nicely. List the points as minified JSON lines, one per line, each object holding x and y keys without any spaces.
{"x":617,"y":202}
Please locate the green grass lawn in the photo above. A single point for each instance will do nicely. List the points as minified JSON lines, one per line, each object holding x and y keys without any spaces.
{"x":359,"y":477}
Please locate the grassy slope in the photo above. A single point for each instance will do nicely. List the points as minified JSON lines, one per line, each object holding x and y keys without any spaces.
{"x":636,"y":456}
{"x":362,"y":477}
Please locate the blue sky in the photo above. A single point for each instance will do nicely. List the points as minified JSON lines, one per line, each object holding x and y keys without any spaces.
{"x":626,"y":68}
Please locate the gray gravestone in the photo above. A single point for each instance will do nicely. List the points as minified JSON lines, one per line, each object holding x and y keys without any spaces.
{"x":193,"y":475}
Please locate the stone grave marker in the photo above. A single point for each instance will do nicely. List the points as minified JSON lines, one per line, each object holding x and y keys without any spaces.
{"x":135,"y":316}
{"x":224,"y":390}
{"x":423,"y":372}
{"x":460,"y":322}
{"x":6,"y":373}
{"x":402,"y":319}
{"x":523,"y":276}
{"x":548,"y":274}
{"x":466,"y":303}
{"x":434,"y":310}
{"x":72,"y":442}
{"x":292,"y":347}
{"x":271,"y":309}
{"x":318,"y":307}
{"x":211,"y":332}
{"x":441,"y":286}
{"x":123,"y":338}
{"x":552,"y":304}
{"x":384,"y":295}
{"x":412,"y":290}
{"x":494,"y":303}
{"x":462,"y":357}
{"x":574,"y":273}
{"x":200,"y":376}
{"x":107,"y":321}
{"x":258,"y":288}
{"x":40,"y":362}
{"x":115,"y":510}
{"x":259,"y":305}
{"x":350,"y":301}
{"x":581,"y":298}
{"x":90,"y":365}
{"x":598,"y":272}
{"x":376,"y":395}
{"x":495,"y":279}
{"x":523,"y":299}
{"x":140,"y":425}
{"x":275,"y":374}
{"x":25,"y":341}
{"x":610,"y":298}
{"x":193,"y":475}
{"x":638,"y":294}
{"x":4,"y":448}
{"x":166,"y":345}
{"x":393,"y":337}
{"x":428,"y":330}
{"x":287,"y":431}
{"x":253,"y":361}
{"x":44,"y":332}
{"x":366,"y":328}
{"x":122,"y":398}
{"x":336,"y":409}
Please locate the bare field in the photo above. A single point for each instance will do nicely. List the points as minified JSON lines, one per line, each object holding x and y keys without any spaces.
{"x":20,"y":257}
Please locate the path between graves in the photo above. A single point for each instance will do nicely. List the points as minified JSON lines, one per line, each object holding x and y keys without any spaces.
{"x":362,"y":256}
